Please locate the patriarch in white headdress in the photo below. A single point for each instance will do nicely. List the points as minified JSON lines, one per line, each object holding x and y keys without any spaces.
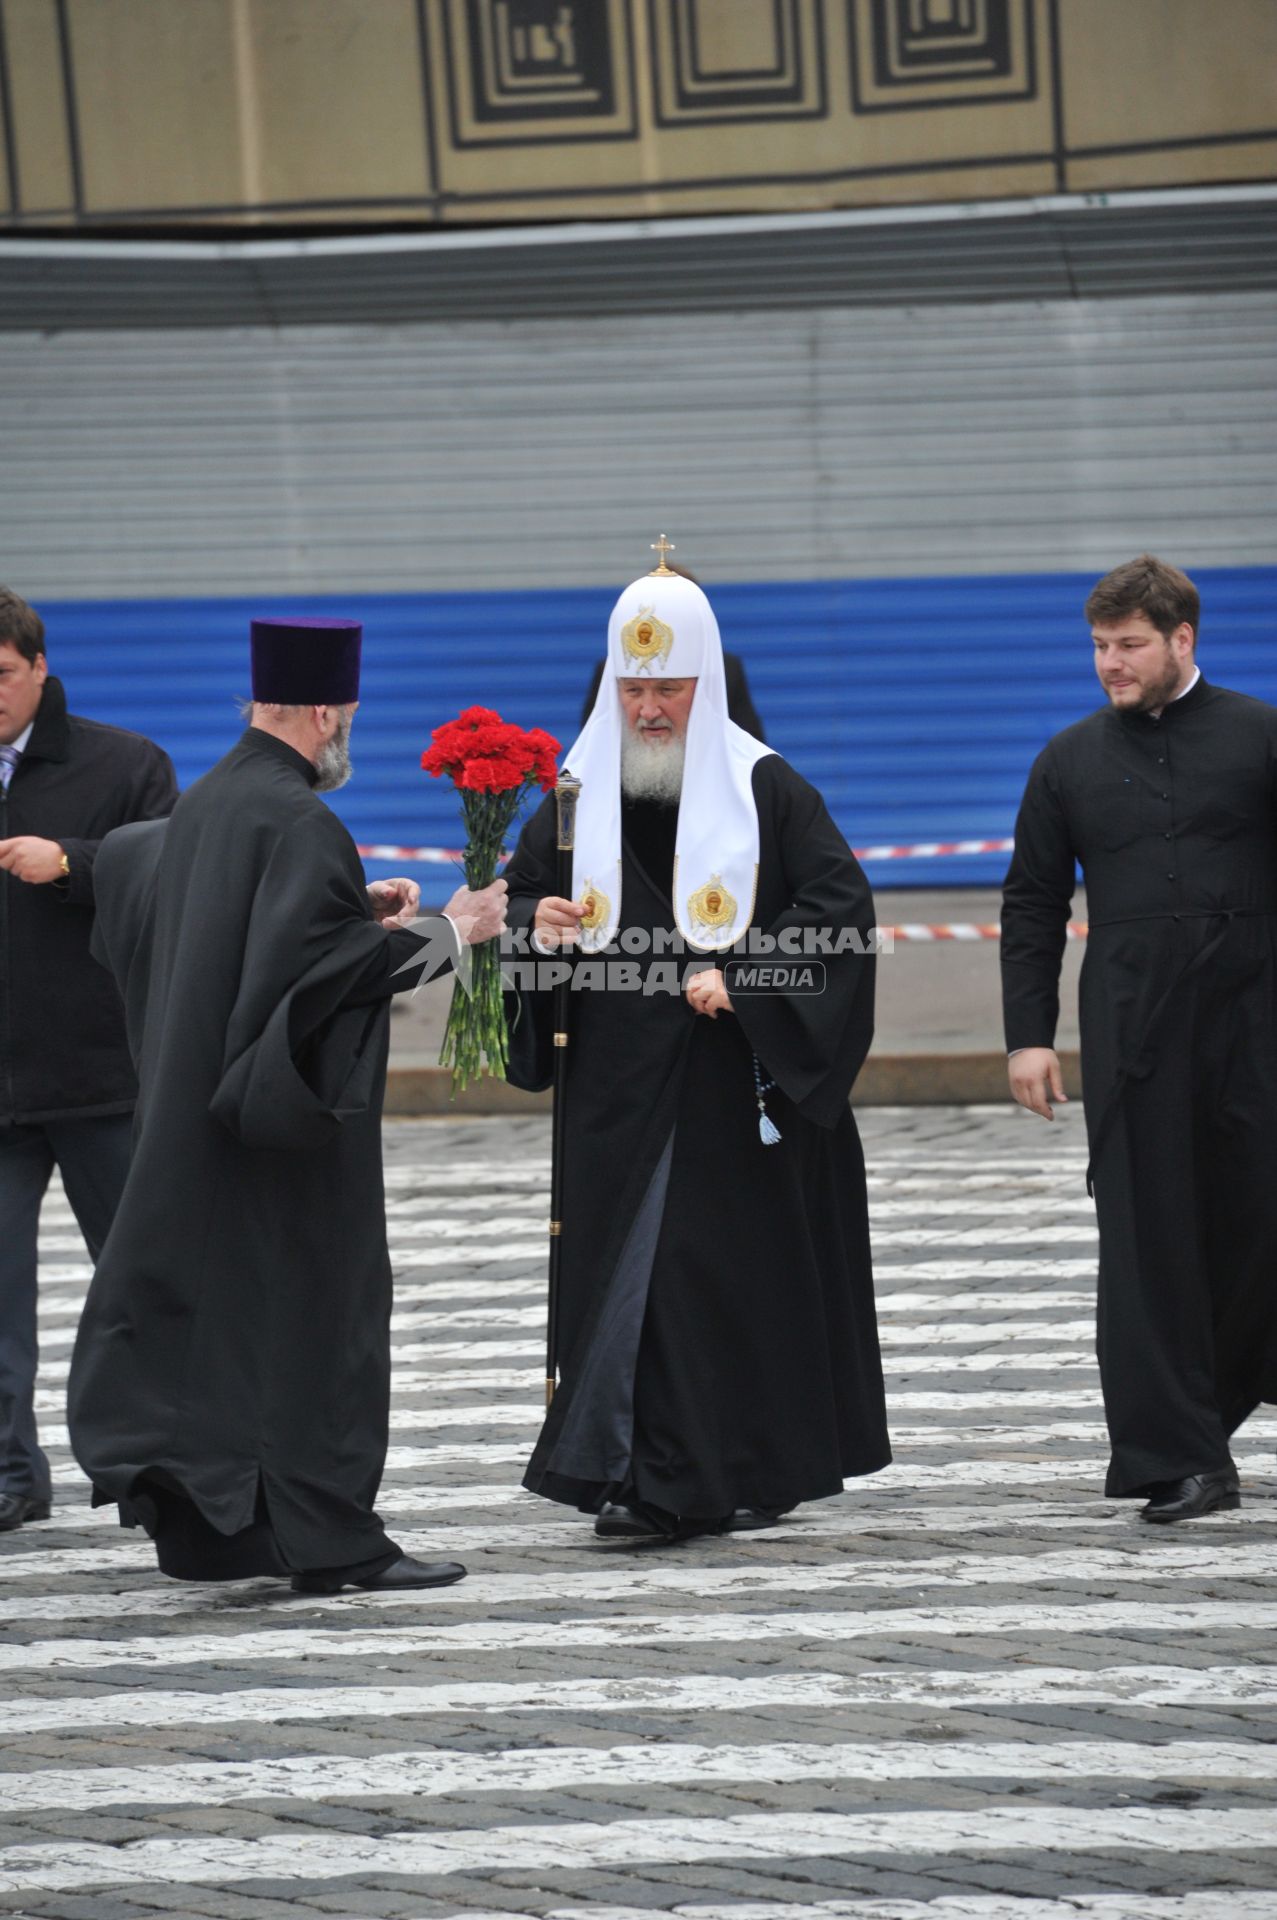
{"x":662,"y":632}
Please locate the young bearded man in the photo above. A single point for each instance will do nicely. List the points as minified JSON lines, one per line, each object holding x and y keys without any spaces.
{"x":1168,"y":799}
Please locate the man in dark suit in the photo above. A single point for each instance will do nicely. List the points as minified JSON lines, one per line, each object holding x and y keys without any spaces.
{"x":66,"y":1081}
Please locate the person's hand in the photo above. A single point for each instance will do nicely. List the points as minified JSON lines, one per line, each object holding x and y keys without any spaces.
{"x":558,"y":922}
{"x":707,"y":993}
{"x":1036,"y":1079}
{"x":395,"y":903}
{"x":35,"y":861}
{"x":478,"y":915}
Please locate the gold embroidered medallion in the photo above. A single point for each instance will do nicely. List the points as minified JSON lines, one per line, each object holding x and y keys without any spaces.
{"x":712,"y":905}
{"x":597,"y":906}
{"x":647,"y":639}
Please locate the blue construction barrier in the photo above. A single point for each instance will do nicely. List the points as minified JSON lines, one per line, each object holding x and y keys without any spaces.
{"x":915,"y":705}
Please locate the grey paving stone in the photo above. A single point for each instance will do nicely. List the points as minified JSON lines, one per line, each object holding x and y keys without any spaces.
{"x":1027,"y":1517}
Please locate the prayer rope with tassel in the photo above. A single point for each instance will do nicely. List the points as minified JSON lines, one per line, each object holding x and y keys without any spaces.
{"x":768,"y":1131}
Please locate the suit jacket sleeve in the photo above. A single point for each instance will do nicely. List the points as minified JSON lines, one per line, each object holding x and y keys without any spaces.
{"x":149,"y":793}
{"x":1035,"y":911}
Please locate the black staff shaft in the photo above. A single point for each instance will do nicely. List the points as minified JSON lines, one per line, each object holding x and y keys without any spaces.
{"x":565,"y":798}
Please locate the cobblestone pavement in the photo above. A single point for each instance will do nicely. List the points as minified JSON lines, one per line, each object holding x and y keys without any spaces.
{"x":968,"y":1687}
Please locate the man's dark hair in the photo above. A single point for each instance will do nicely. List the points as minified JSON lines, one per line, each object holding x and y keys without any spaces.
{"x":1163,"y":594}
{"x":20,"y":625}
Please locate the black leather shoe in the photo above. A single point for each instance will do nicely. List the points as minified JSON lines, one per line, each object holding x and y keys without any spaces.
{"x":401,"y":1576}
{"x":1189,"y":1499}
{"x":646,"y":1523}
{"x":17,"y":1508}
{"x":751,"y":1519}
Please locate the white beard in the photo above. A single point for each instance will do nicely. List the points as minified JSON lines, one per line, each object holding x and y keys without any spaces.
{"x":652,"y":773}
{"x":332,"y":762}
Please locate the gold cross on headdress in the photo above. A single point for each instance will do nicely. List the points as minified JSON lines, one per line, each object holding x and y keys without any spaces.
{"x":661,"y":546}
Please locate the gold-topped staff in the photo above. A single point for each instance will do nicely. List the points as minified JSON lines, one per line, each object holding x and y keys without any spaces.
{"x":567,"y":791}
{"x":661,"y":546}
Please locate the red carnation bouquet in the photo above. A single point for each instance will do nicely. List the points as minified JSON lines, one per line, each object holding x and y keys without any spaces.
{"x":494,"y":766}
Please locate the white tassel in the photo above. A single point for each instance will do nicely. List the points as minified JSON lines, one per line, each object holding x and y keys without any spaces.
{"x":768,"y":1131}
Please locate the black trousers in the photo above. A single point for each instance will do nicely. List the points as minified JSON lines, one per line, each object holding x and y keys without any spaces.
{"x":93,"y":1159}
{"x":189,"y":1547}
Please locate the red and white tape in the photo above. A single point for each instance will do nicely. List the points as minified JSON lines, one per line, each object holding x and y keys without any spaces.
{"x":934,"y":849}
{"x":420,"y":856}
{"x":911,"y":930}
{"x":924,"y":850}
{"x":965,"y":930}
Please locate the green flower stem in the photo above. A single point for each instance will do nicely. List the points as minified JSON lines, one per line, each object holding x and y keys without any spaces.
{"x":475,"y":1040}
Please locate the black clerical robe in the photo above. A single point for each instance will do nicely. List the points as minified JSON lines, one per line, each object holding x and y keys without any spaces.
{"x":230,"y":1382}
{"x":719,"y":1345}
{"x":1174,"y":821}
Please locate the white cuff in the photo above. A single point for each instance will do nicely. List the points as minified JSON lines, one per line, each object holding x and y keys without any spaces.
{"x":457,"y":941}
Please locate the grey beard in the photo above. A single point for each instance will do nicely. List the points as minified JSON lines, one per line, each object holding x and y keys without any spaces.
{"x":332,"y":763}
{"x":652,"y":773}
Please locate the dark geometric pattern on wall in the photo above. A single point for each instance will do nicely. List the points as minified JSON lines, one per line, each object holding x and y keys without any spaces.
{"x":487,"y":110}
{"x":530,"y":71}
{"x":758,"y":60}
{"x":940,"y":53}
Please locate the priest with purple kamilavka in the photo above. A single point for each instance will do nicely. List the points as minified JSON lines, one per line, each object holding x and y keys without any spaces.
{"x":230,"y":1384}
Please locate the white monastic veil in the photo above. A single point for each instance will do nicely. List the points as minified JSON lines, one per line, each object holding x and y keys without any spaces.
{"x":663,"y":628}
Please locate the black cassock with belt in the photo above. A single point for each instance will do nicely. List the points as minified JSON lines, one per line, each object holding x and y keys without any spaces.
{"x":230,"y":1383}
{"x":718,"y":1344}
{"x":1175,"y":824}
